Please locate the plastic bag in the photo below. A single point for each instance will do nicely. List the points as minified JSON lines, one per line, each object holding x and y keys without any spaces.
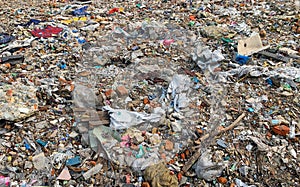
{"x":80,"y":11}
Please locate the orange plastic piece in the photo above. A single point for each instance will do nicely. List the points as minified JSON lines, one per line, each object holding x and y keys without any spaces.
{"x":146,"y":101}
{"x":179,"y":176}
{"x":182,"y":155}
{"x":192,"y":17}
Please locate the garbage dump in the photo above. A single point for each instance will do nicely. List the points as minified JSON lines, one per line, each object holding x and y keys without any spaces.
{"x":149,"y":93}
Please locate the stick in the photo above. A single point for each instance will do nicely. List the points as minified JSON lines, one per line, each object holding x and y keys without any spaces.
{"x":233,"y":124}
{"x":195,"y":157}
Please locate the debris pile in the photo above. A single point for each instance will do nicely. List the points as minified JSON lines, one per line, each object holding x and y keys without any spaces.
{"x":149,"y":93}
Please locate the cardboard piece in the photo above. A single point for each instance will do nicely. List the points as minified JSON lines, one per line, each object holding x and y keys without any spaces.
{"x":251,"y":45}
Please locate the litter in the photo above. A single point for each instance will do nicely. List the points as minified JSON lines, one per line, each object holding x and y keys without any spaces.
{"x":251,"y":45}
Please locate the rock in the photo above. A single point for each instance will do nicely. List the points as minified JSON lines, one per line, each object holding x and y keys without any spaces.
{"x":22,"y":104}
{"x":110,"y":93}
{"x":28,"y":165}
{"x":222,"y":180}
{"x":24,"y":110}
{"x":169,"y":146}
{"x":12,"y":153}
{"x":73,"y":134}
{"x":282,"y":130}
{"x":262,"y":33}
{"x":96,"y":169}
{"x":145,"y":184}
{"x":176,"y":127}
{"x":15,"y":163}
{"x":121,"y":91}
{"x":139,"y":138}
{"x":154,"y":130}
{"x":155,"y":139}
{"x":29,"y":67}
{"x":40,"y":162}
{"x":214,"y":31}
{"x":41,"y":125}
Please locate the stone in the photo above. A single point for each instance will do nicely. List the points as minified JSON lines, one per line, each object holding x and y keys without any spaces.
{"x":24,"y":110}
{"x":154,"y":130}
{"x":121,"y":91}
{"x":28,"y":165}
{"x":29,"y":67}
{"x":15,"y":163}
{"x":139,"y":138}
{"x":17,"y":106}
{"x":169,"y":146}
{"x":40,"y":161}
{"x":73,"y":134}
{"x":96,"y":169}
{"x":155,"y":139}
{"x":12,"y":153}
{"x":110,"y":93}
{"x":41,"y":125}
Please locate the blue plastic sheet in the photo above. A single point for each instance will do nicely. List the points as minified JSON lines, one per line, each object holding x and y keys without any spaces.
{"x":73,"y":161}
{"x":80,"y":11}
{"x":5,"y":38}
{"x":31,"y":21}
{"x":269,"y":81}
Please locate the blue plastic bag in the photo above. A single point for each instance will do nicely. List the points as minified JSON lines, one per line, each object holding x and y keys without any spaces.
{"x":241,"y":59}
{"x":80,"y":11}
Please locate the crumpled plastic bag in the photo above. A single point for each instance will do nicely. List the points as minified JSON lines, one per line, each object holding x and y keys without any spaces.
{"x":240,"y":183}
{"x":179,"y":89}
{"x":122,"y":119}
{"x":286,"y":72}
{"x":4,"y":181}
{"x":206,"y":169}
{"x":158,"y":175}
{"x":241,"y":59}
{"x":205,"y":58}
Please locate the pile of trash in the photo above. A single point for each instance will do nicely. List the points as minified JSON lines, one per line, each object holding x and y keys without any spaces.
{"x":160,"y":93}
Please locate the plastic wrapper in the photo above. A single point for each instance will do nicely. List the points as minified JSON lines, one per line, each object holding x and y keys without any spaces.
{"x":179,"y":89}
{"x":207,"y":169}
{"x":122,"y":119}
{"x":205,"y":58}
{"x":80,"y":11}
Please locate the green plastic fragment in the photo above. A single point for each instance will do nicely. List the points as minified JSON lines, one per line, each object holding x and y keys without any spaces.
{"x":227,"y":40}
{"x":140,"y":153}
{"x":191,"y":23}
{"x":287,"y":87}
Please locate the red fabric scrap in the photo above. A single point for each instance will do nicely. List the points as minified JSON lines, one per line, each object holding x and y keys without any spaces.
{"x":113,"y":10}
{"x":47,"y":32}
